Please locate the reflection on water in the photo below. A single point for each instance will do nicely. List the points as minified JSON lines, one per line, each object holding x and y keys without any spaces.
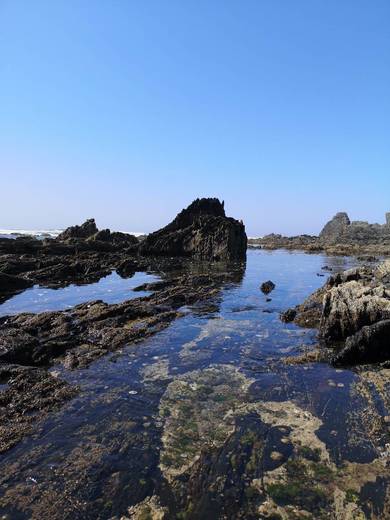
{"x":110,"y":289}
{"x":205,"y":420}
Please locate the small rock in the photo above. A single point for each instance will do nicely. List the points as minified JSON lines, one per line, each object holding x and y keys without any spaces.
{"x":267,"y":287}
{"x":288,"y":316}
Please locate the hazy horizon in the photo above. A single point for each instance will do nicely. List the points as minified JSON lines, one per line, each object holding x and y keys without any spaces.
{"x":102,"y":225}
{"x":126,"y":112}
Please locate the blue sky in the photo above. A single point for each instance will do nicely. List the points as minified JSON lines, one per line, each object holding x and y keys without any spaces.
{"x":127,"y":110}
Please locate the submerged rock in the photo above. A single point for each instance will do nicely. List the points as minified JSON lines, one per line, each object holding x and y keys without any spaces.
{"x":29,"y":396}
{"x":226,"y":455}
{"x":201,"y":231}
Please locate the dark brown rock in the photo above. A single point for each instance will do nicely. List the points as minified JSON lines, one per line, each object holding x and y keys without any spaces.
{"x":288,"y":316}
{"x":84,"y":231}
{"x":10,"y":283}
{"x":267,"y":287}
{"x":370,"y":344}
{"x":201,"y":231}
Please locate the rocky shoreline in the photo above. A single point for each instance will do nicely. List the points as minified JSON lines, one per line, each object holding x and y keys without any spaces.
{"x":220,"y":427}
{"x":32,"y":343}
{"x":352,"y":315}
{"x":339,"y":236}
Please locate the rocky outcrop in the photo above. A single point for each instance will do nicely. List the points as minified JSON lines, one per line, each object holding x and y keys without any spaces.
{"x":10,"y":283}
{"x":370,"y":344}
{"x":84,"y":231}
{"x":90,"y":233}
{"x":202,"y":231}
{"x":83,"y":253}
{"x":352,"y":313}
{"x":276,"y":241}
{"x":341,"y":230}
{"x":350,"y":306}
{"x":339,"y":236}
{"x":335,"y":228}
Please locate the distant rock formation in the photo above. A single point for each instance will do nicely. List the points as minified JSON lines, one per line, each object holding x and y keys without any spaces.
{"x":201,"y":231}
{"x":90,"y":233}
{"x":339,"y":236}
{"x":335,"y":227}
{"x":84,"y":231}
{"x":340,"y":229}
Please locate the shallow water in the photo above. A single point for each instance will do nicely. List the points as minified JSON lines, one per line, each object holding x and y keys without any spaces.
{"x":110,"y":289}
{"x":108,"y":449}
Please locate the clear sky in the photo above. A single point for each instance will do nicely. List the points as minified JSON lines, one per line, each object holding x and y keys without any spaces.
{"x":127,"y":110}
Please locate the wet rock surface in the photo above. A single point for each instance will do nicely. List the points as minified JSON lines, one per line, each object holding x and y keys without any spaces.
{"x":11,"y":284}
{"x":78,"y":336}
{"x":29,"y":396}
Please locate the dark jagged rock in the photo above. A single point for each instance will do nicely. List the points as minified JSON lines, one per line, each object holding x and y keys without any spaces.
{"x":84,"y":231}
{"x":10,"y":283}
{"x":116,"y":238}
{"x":123,"y":239}
{"x":201,"y":231}
{"x":94,"y":237}
{"x":81,"y":254}
{"x":288,"y":316}
{"x":370,"y":344}
{"x":267,"y":287}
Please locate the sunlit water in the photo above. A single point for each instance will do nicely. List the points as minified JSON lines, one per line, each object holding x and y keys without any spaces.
{"x":115,"y":417}
{"x":110,"y":289}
